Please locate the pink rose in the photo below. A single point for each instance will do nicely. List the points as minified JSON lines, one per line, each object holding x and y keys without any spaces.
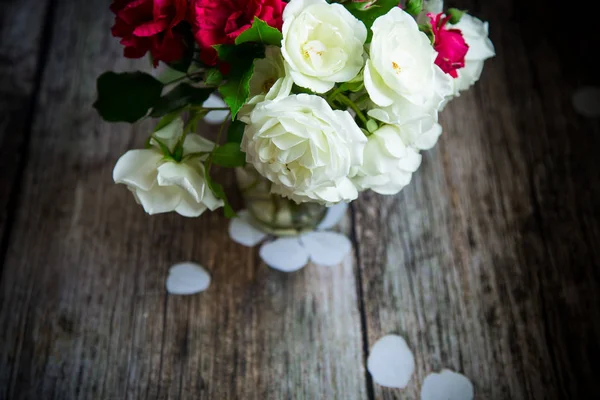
{"x":450,"y":45}
{"x":221,"y":21}
{"x":148,"y":25}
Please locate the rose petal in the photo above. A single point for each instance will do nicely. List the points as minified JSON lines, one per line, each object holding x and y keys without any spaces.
{"x":376,"y":88}
{"x":196,"y":144}
{"x":334,"y":215}
{"x":243,"y":232}
{"x":215,"y":117}
{"x":189,"y":208}
{"x":137,"y":168}
{"x":158,"y":200}
{"x":391,"y":363}
{"x":314,"y":84}
{"x":187,"y":278}
{"x":285,"y":254}
{"x":326,"y":248}
{"x":171,"y":131}
{"x":447,"y":385}
{"x":183,"y":176}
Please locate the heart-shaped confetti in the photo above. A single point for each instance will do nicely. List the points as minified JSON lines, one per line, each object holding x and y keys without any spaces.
{"x":187,"y":278}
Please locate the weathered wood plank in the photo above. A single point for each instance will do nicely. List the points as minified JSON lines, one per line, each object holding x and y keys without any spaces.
{"x":83,"y":309}
{"x":488,"y":262}
{"x":21,"y":26}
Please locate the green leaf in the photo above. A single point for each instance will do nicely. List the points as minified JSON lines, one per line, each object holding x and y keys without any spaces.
{"x":299,"y":89}
{"x":455,"y":15}
{"x":219,"y":192}
{"x":169,"y":75}
{"x":260,"y":32}
{"x":126,"y":97}
{"x":213,"y":77}
{"x":235,"y":132}
{"x":225,"y":52}
{"x":229,"y":155}
{"x":236,"y":90}
{"x":368,"y":15}
{"x":239,"y":56}
{"x":181,"y":96}
{"x":414,"y":7}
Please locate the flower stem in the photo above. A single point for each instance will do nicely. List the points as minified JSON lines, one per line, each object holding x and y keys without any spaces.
{"x":345,"y":100}
{"x":333,"y":94}
{"x":362,"y":98}
{"x":186,"y":76}
{"x":221,"y":129}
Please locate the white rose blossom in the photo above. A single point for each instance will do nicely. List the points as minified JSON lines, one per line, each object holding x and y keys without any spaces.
{"x":389,"y":162}
{"x":161,"y":185}
{"x":322,"y":44}
{"x":304,"y":148}
{"x":401,"y":63}
{"x":476,"y":34}
{"x":419,"y":125}
{"x":269,"y":81}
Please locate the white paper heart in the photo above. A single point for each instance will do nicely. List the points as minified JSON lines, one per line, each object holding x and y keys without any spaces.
{"x":326,"y":248}
{"x":215,"y":117}
{"x":285,"y":254}
{"x":187,"y":278}
{"x":447,"y":385}
{"x":334,"y":215}
{"x":391,"y":363}
{"x":241,"y":230}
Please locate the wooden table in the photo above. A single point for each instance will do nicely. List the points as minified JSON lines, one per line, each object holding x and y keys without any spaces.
{"x":487,"y":264}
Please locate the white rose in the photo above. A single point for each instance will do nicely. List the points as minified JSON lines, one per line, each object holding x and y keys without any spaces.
{"x":401,"y":63}
{"x":160,"y":185}
{"x":267,"y":71}
{"x":388,"y":162}
{"x":322,"y":44}
{"x":305,"y":148}
{"x":269,"y":81}
{"x":419,"y":127}
{"x":476,"y":34}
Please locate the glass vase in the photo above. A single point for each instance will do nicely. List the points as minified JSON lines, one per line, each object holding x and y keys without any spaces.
{"x":272,"y":213}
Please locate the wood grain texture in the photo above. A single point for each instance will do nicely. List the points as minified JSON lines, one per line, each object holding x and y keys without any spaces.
{"x":488,"y":262}
{"x":21,"y":58}
{"x":83,"y":309}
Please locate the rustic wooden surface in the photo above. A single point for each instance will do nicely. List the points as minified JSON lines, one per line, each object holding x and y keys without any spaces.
{"x":487,"y":264}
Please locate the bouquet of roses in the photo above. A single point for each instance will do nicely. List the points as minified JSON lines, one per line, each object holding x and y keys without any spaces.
{"x":325,"y":98}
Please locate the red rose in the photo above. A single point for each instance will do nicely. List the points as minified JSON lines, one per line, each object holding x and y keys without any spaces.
{"x":450,"y":45}
{"x":148,"y":25}
{"x":221,"y":21}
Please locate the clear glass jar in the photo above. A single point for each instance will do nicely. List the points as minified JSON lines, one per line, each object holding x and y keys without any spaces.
{"x":273,"y":213}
